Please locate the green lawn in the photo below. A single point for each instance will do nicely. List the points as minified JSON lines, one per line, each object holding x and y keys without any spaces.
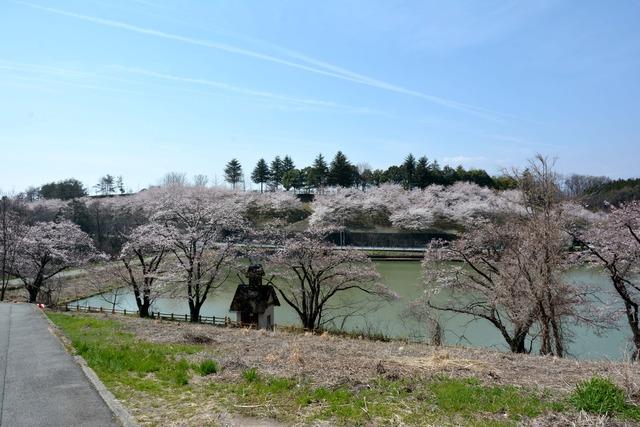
{"x":162,"y":376}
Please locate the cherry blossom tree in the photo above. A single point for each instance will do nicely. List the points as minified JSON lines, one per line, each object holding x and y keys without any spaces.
{"x":514,"y":265}
{"x":614,"y":244}
{"x":259,"y":207}
{"x":142,"y":257}
{"x":314,"y":275}
{"x":488,"y":285}
{"x":417,"y":209}
{"x":200,"y":226}
{"x":49,"y":248}
{"x":12,"y":231}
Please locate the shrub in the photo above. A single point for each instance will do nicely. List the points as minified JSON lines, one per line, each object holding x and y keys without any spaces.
{"x":599,"y":395}
{"x":251,"y":375}
{"x":207,"y":367}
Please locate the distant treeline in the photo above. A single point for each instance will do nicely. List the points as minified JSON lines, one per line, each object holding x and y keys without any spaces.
{"x":612,"y":192}
{"x":71,"y":188}
{"x":341,"y":172}
{"x":412,"y":173}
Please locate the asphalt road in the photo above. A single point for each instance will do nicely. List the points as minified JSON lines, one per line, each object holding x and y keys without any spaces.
{"x":40,"y":384}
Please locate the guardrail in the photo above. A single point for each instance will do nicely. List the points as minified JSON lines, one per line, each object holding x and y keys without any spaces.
{"x":208,"y":320}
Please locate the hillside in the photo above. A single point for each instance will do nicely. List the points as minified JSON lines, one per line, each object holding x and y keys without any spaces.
{"x":613,"y":192}
{"x":181,"y":374}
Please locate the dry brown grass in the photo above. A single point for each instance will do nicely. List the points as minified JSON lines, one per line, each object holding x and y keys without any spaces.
{"x":329,"y":360}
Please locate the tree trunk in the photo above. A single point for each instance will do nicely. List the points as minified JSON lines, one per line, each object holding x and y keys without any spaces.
{"x":143,"y":309}
{"x":142,"y":301}
{"x":194,"y":312}
{"x":632,"y":318}
{"x":557,"y":337}
{"x":631,"y":311}
{"x":517,"y":343}
{"x":309,"y":321}
{"x":545,"y":337}
{"x":33,"y":293}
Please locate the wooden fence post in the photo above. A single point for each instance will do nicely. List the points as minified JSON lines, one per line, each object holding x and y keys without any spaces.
{"x":125,"y":311}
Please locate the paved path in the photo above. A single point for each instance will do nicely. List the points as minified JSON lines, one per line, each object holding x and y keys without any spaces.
{"x":40,"y":384}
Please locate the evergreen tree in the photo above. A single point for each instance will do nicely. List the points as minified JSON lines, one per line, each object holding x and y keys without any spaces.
{"x":409,"y":167}
{"x":449,"y":175}
{"x":305,"y":175}
{"x":377,"y":177}
{"x":276,"y":171}
{"x":341,"y":172}
{"x":318,"y":173}
{"x":394,"y":175}
{"x":63,"y":190}
{"x":287,"y":165}
{"x":261,"y":173}
{"x":233,"y":172}
{"x":436,"y":173}
{"x":292,"y":179}
{"x":365,"y":179}
{"x":423,"y":178}
{"x":480,"y":177}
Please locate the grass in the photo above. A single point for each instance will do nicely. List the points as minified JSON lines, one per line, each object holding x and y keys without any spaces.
{"x":208,"y":367}
{"x":601,"y":396}
{"x":161,"y":376}
{"x":456,"y":396}
{"x":251,"y":375}
{"x":118,"y":358}
{"x":385,"y":401}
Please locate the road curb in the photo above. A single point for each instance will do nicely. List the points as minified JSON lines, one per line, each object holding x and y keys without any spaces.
{"x":123,"y":416}
{"x":118,"y":410}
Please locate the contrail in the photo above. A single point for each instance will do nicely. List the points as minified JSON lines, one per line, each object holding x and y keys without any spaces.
{"x":78,"y":74}
{"x":244,"y":91}
{"x":329,"y":69}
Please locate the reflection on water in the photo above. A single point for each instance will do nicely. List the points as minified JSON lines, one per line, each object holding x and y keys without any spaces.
{"x":390,"y":318}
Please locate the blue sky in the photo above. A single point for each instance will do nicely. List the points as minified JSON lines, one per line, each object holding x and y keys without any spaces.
{"x":141,"y":87}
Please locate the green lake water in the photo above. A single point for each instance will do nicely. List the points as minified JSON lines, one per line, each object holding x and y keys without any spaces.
{"x":390,"y":318}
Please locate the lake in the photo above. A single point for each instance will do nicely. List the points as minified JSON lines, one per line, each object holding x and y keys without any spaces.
{"x":391,"y":319}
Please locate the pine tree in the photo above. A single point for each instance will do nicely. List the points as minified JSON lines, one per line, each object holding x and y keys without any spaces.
{"x":261,"y":173}
{"x":409,"y":167}
{"x":342,"y":172}
{"x":276,"y":171}
{"x":318,"y":173}
{"x":423,"y":178}
{"x":233,"y":172}
{"x":287,"y":165}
